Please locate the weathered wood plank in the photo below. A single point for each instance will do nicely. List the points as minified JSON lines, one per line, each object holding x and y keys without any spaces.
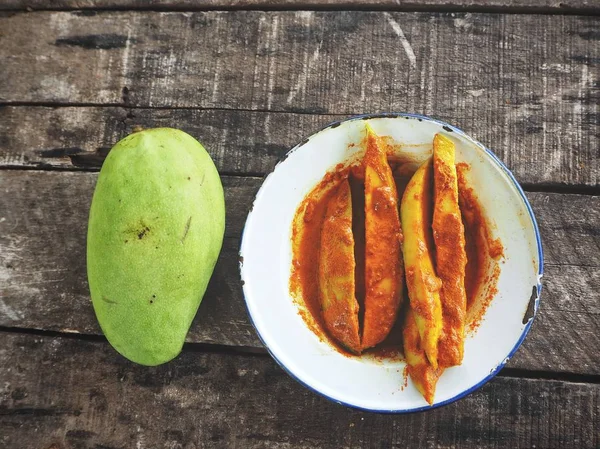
{"x":526,"y":85}
{"x":453,"y":5}
{"x":75,"y":393}
{"x":239,"y":142}
{"x":43,"y":285}
{"x":249,"y":142}
{"x":43,"y":226}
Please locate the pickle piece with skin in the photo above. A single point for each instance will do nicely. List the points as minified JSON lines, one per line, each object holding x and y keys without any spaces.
{"x":422,"y":374}
{"x":451,"y":258}
{"x":421,"y":280}
{"x":383,"y":236}
{"x":336,"y":270}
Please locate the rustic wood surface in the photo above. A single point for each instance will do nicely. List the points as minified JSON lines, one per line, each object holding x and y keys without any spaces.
{"x":251,"y":142}
{"x":241,"y":401}
{"x":250,"y":85}
{"x":490,"y":73}
{"x":301,"y":60}
{"x":58,"y":214}
{"x":555,"y":6}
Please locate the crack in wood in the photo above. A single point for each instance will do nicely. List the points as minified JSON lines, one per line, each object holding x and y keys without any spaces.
{"x":95,"y":7}
{"x":94,"y":41}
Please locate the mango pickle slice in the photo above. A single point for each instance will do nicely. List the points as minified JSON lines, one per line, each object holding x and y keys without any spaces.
{"x":421,"y":280}
{"x":423,"y":375}
{"x":451,"y":258}
{"x":336,"y":270}
{"x":383,"y":236}
{"x":426,"y":239}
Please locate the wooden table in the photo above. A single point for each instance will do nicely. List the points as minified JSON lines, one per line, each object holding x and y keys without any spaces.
{"x":250,"y":79}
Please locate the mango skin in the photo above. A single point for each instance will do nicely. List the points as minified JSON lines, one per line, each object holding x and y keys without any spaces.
{"x":155,"y":232}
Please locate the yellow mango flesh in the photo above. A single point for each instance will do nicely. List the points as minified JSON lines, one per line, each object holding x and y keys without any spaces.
{"x":422,"y":282}
{"x":383,"y":236}
{"x":422,"y":374}
{"x":451,"y":258}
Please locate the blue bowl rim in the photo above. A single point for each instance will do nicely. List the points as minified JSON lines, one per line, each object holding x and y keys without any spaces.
{"x":500,"y":164}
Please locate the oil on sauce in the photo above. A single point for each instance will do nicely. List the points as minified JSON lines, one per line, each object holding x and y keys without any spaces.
{"x":483,"y":252}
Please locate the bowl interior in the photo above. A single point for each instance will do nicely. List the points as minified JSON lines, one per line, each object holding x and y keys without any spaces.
{"x":363,"y":382}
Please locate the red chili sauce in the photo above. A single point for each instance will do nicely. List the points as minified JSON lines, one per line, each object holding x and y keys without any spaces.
{"x":483,"y":252}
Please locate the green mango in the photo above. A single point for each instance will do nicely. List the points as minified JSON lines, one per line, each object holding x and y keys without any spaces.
{"x":155,"y":231}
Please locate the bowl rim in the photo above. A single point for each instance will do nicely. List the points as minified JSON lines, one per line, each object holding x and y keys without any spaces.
{"x":505,"y":170}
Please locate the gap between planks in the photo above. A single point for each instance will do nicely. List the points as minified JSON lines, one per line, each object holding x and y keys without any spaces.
{"x":50,"y":168}
{"x":325,"y":6}
{"x":210,"y":348}
{"x":535,"y":188}
{"x":127,"y":107}
{"x":545,"y":122}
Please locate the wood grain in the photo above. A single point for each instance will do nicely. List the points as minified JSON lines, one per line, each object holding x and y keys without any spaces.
{"x":240,"y":142}
{"x":251,"y":142}
{"x":42,"y":258}
{"x":527,"y":85}
{"x":410,"y":5}
{"x":43,"y":282}
{"x":74,"y":394}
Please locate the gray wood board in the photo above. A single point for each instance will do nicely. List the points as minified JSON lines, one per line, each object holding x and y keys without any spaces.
{"x":455,"y":5}
{"x":520,"y":83}
{"x":81,"y":394}
{"x":250,"y":142}
{"x":43,"y":219}
{"x":50,"y":229}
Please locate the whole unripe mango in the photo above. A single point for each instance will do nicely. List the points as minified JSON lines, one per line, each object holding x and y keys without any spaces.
{"x":155,"y":231}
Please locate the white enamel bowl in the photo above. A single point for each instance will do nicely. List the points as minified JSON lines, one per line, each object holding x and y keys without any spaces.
{"x":367,"y":384}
